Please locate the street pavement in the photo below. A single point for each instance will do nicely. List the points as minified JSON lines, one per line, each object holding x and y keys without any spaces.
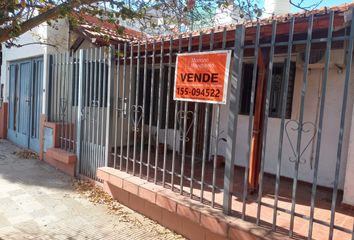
{"x":39,"y":202}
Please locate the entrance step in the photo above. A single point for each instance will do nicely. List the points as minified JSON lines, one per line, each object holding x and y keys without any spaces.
{"x":61,"y":159}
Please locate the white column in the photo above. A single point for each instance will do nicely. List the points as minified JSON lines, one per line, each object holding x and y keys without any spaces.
{"x":348,"y":197}
{"x":348,"y":190}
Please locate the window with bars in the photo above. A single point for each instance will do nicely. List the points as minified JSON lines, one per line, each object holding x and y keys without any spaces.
{"x":154,"y":101}
{"x":95,"y":84}
{"x":276,"y":94}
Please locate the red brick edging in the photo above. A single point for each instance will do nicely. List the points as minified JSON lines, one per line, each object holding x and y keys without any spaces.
{"x":61,"y":159}
{"x":178,"y":213}
{"x":3,"y":120}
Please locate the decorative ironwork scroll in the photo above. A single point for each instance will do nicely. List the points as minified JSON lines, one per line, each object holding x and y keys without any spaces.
{"x":306,"y":128}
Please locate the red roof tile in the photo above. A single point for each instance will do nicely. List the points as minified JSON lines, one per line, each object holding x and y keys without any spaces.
{"x":102,"y":31}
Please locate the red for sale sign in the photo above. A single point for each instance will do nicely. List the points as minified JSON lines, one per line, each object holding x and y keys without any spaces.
{"x":202,"y":77}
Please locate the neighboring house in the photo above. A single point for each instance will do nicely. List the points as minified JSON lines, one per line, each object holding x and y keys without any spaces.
{"x":109,"y":109}
{"x":24,"y":70}
{"x":200,"y":16}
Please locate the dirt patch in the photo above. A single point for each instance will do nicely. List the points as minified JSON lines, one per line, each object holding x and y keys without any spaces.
{"x":97,"y":196}
{"x":92,"y":192}
{"x":26,"y":154}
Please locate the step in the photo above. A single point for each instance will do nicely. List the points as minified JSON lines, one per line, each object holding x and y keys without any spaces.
{"x":61,"y":155}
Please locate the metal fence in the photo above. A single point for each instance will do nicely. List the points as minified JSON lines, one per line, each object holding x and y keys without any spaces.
{"x":116,"y":109}
{"x":78,"y":101}
{"x":63,"y":97}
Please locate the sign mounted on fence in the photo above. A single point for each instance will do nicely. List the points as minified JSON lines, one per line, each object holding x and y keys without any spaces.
{"x":202,"y":77}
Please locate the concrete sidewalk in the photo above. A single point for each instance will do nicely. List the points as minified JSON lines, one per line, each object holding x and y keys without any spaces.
{"x":38,"y":202}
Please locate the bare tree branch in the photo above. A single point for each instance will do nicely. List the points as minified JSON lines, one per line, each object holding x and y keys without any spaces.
{"x":301,"y":6}
{"x":155,"y":17}
{"x":52,"y":13}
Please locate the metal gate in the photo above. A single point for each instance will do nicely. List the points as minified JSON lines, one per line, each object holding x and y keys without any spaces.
{"x":79,"y":85}
{"x":116,"y":109}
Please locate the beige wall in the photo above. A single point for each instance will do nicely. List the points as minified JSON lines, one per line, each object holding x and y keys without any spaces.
{"x":330,"y":130}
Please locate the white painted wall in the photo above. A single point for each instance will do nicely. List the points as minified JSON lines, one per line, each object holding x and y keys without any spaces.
{"x":348,"y":196}
{"x":276,"y":7}
{"x":57,"y":34}
{"x":329,"y":135}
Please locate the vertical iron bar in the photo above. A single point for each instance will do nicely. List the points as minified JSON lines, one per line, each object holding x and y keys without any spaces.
{"x":136,"y":105}
{"x":301,"y":118}
{"x":104,"y":99}
{"x":265,"y":120}
{"x":217,"y":130}
{"x":116,"y":110}
{"x":151,"y":106}
{"x":48,"y":87}
{"x":63,"y":129}
{"x":58,"y":92}
{"x":57,"y":88}
{"x":67,"y":100}
{"x":109,"y":103}
{"x":320,"y":123}
{"x":184,"y":136}
{"x":76,"y":94}
{"x":185,"y":117}
{"x":342,"y":125}
{"x":206,"y":129}
{"x":174,"y":146}
{"x":84,"y":118}
{"x":70,"y":92}
{"x":233,"y":119}
{"x":250,"y":121}
{"x":195,"y":120}
{"x":79,"y":116}
{"x":95,"y":106}
{"x":99,"y":102}
{"x":159,"y":111}
{"x":167,"y":112}
{"x":61,"y":93}
{"x":53,"y":89}
{"x":282,"y":124}
{"x":175,"y":126}
{"x":123,"y":106}
{"x":217,"y":133}
{"x":129,"y":103}
{"x":143,"y":112}
{"x":90,"y":105}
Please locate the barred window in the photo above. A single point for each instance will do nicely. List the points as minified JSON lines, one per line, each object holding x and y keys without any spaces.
{"x":276,"y":94}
